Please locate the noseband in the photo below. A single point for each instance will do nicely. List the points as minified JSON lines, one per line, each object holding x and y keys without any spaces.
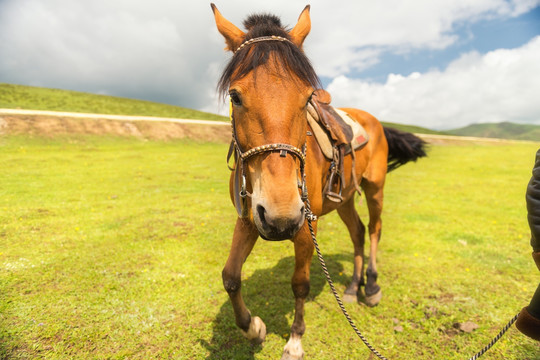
{"x":242,"y":156}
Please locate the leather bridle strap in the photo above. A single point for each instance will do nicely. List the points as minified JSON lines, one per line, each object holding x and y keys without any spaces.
{"x":262,"y":38}
{"x":282,"y":148}
{"x":242,"y":156}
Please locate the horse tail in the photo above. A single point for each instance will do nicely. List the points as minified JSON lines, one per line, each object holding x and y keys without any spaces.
{"x":403,"y":147}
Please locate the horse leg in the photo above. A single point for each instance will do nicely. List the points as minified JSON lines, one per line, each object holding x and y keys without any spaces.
{"x":357,"y":231}
{"x":244,"y":238}
{"x":303,"y":252}
{"x":374,"y":198}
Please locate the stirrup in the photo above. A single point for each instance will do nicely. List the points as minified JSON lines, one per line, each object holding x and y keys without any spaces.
{"x":333,"y":196}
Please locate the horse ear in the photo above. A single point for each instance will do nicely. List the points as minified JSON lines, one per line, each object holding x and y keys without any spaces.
{"x":302,"y":28}
{"x":233,"y":35}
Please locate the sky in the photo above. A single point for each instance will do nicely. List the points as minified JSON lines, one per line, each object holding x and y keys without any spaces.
{"x":434,"y":63}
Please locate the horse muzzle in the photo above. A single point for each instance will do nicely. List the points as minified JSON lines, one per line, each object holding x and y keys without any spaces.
{"x":276,"y":225}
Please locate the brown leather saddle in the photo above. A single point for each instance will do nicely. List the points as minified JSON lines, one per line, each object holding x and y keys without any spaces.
{"x":338,"y":135}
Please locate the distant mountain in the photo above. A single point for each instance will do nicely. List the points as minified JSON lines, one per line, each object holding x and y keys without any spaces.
{"x":410,"y":128}
{"x":503,"y":130}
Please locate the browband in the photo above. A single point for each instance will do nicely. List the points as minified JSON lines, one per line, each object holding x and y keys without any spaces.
{"x":262,"y":38}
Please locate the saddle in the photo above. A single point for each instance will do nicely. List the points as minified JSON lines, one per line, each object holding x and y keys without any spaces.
{"x":337,"y":135}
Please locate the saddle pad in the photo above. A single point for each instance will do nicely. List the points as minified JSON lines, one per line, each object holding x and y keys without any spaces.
{"x":321,"y":136}
{"x":360,"y":137}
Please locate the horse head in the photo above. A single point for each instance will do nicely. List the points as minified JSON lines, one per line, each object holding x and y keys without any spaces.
{"x":270,"y":82}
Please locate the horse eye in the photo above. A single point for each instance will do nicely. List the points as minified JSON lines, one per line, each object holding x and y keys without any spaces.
{"x":309,"y":99}
{"x":235,"y":98}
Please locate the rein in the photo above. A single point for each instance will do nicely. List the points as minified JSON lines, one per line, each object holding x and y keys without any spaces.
{"x":311,"y":217}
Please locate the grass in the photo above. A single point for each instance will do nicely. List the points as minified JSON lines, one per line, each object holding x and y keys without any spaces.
{"x":112,"y":248}
{"x":36,"y":98}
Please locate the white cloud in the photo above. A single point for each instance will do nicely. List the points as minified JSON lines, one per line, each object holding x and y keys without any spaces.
{"x":128,"y":48}
{"x":170,"y":51}
{"x":498,"y":86}
{"x":393,"y":25}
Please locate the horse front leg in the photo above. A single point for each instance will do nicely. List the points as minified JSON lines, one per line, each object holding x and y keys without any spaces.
{"x":303,"y":252}
{"x":244,"y":238}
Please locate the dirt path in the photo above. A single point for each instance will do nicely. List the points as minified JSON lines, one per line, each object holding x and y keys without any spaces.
{"x":52,"y":123}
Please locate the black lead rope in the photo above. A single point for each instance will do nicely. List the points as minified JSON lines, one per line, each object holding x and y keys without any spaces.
{"x":311,"y":217}
{"x":496,"y":338}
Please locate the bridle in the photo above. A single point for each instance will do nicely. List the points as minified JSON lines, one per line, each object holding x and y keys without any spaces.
{"x":241,"y":156}
{"x":262,"y":38}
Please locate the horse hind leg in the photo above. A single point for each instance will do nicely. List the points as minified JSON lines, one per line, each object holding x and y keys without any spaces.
{"x":348,"y":214}
{"x":374,"y":199}
{"x":244,"y":238}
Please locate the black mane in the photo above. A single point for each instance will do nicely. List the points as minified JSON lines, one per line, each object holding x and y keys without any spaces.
{"x":262,"y":20}
{"x":250,"y":57}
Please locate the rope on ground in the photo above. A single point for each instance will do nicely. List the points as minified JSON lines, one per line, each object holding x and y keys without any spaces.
{"x":310,"y":216}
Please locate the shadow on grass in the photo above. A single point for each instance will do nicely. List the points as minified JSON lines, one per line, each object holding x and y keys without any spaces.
{"x":268,"y":295}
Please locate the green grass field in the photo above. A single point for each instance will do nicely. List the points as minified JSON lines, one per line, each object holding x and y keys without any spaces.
{"x":112,"y":248}
{"x":36,"y":98}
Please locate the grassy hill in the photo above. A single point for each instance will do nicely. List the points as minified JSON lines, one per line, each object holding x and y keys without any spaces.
{"x":504,"y":130}
{"x":36,"y":98}
{"x":410,"y":128}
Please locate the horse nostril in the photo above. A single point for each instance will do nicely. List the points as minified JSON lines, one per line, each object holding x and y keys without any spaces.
{"x":260,"y":212}
{"x":302,"y":211}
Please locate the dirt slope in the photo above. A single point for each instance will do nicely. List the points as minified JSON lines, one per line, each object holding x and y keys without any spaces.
{"x":50,"y":126}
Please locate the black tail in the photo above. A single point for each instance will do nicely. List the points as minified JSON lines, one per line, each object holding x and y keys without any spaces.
{"x":403,"y":147}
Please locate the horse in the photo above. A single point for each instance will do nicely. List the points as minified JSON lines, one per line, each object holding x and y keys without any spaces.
{"x":279,"y":167}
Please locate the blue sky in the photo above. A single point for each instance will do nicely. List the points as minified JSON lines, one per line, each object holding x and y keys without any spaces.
{"x":433,"y":63}
{"x":483,"y":36}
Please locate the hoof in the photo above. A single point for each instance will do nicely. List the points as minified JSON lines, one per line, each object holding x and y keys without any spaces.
{"x":256,"y":332}
{"x":350,"y":298}
{"x":292,"y":357}
{"x":373,"y":300}
{"x":293,"y":350}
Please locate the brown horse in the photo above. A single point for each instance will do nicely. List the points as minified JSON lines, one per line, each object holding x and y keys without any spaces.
{"x":270,"y":82}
